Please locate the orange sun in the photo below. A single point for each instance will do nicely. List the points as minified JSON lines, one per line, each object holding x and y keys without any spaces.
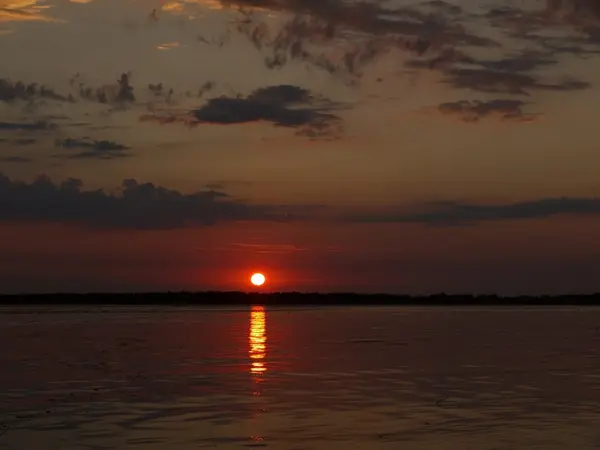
{"x":258,"y":279}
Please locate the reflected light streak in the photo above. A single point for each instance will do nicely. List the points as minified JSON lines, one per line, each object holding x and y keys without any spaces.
{"x":258,"y":340}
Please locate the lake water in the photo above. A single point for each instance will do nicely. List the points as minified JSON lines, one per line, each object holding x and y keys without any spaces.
{"x":305,"y":378}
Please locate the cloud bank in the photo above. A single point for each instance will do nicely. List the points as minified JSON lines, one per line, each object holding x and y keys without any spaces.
{"x":136,"y":205}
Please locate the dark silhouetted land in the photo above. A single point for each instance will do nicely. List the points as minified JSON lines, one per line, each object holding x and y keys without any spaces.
{"x":292,"y":299}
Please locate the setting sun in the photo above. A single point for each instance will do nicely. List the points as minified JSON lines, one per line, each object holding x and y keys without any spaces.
{"x":258,"y":279}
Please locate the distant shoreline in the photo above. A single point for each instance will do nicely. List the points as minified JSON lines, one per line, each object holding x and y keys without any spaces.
{"x":212,"y":298}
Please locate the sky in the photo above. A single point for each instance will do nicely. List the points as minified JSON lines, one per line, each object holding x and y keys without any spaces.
{"x":401,"y":146}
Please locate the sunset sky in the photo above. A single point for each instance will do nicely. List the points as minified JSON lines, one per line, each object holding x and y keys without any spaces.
{"x":399,"y":146}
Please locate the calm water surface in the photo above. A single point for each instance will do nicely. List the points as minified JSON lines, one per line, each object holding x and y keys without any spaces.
{"x":330,"y":378}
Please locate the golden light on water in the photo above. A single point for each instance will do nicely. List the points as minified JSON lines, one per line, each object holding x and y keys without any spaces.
{"x":258,"y":340}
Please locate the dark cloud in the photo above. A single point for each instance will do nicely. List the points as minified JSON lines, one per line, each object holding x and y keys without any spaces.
{"x":456,"y":213}
{"x":26,"y":126}
{"x":366,"y":17}
{"x":22,"y":142}
{"x":519,"y":74}
{"x":283,"y":105}
{"x":92,"y":149}
{"x":120,"y":92}
{"x":11,"y":91}
{"x":159,"y":90}
{"x":520,"y":65}
{"x":492,"y":81}
{"x":137,"y":205}
{"x":525,"y":71}
{"x":356,"y":33}
{"x":117,"y":95}
{"x":581,"y":17}
{"x":475,"y":110}
{"x":525,"y":62}
{"x":582,"y":47}
{"x":15,"y":159}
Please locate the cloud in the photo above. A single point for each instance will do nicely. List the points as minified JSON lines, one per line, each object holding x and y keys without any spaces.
{"x":15,"y":159}
{"x":457,"y":213}
{"x":344,"y":37}
{"x":577,"y":21}
{"x":92,"y":149}
{"x":20,"y":141}
{"x":474,"y":110}
{"x":136,"y":205}
{"x":524,"y":62}
{"x":574,"y":10}
{"x":26,"y":126}
{"x":541,"y":33}
{"x":10,"y":91}
{"x":284,"y":105}
{"x":23,"y":11}
{"x":120,"y":92}
{"x":493,"y":81}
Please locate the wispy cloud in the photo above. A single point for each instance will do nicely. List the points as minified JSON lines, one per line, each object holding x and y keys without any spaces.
{"x":457,"y":213}
{"x":92,"y":149}
{"x":345,"y":37}
{"x":472,"y":111}
{"x":493,"y":81}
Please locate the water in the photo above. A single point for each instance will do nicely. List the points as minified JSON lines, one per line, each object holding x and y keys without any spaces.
{"x":331,"y":378}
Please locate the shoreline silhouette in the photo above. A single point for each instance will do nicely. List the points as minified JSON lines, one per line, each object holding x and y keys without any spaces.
{"x":227,"y":298}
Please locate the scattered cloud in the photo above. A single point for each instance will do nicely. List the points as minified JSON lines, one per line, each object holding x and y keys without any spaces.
{"x":576,"y":21}
{"x":457,"y":213}
{"x":135,"y":205}
{"x":534,"y":40}
{"x":344,"y":37}
{"x":92,"y":149}
{"x":284,"y":105}
{"x":474,"y":110}
{"x":118,"y":94}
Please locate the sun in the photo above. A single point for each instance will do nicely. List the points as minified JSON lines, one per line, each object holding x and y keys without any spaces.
{"x":258,"y":279}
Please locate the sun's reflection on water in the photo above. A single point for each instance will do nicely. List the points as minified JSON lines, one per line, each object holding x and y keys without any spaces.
{"x":258,"y":340}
